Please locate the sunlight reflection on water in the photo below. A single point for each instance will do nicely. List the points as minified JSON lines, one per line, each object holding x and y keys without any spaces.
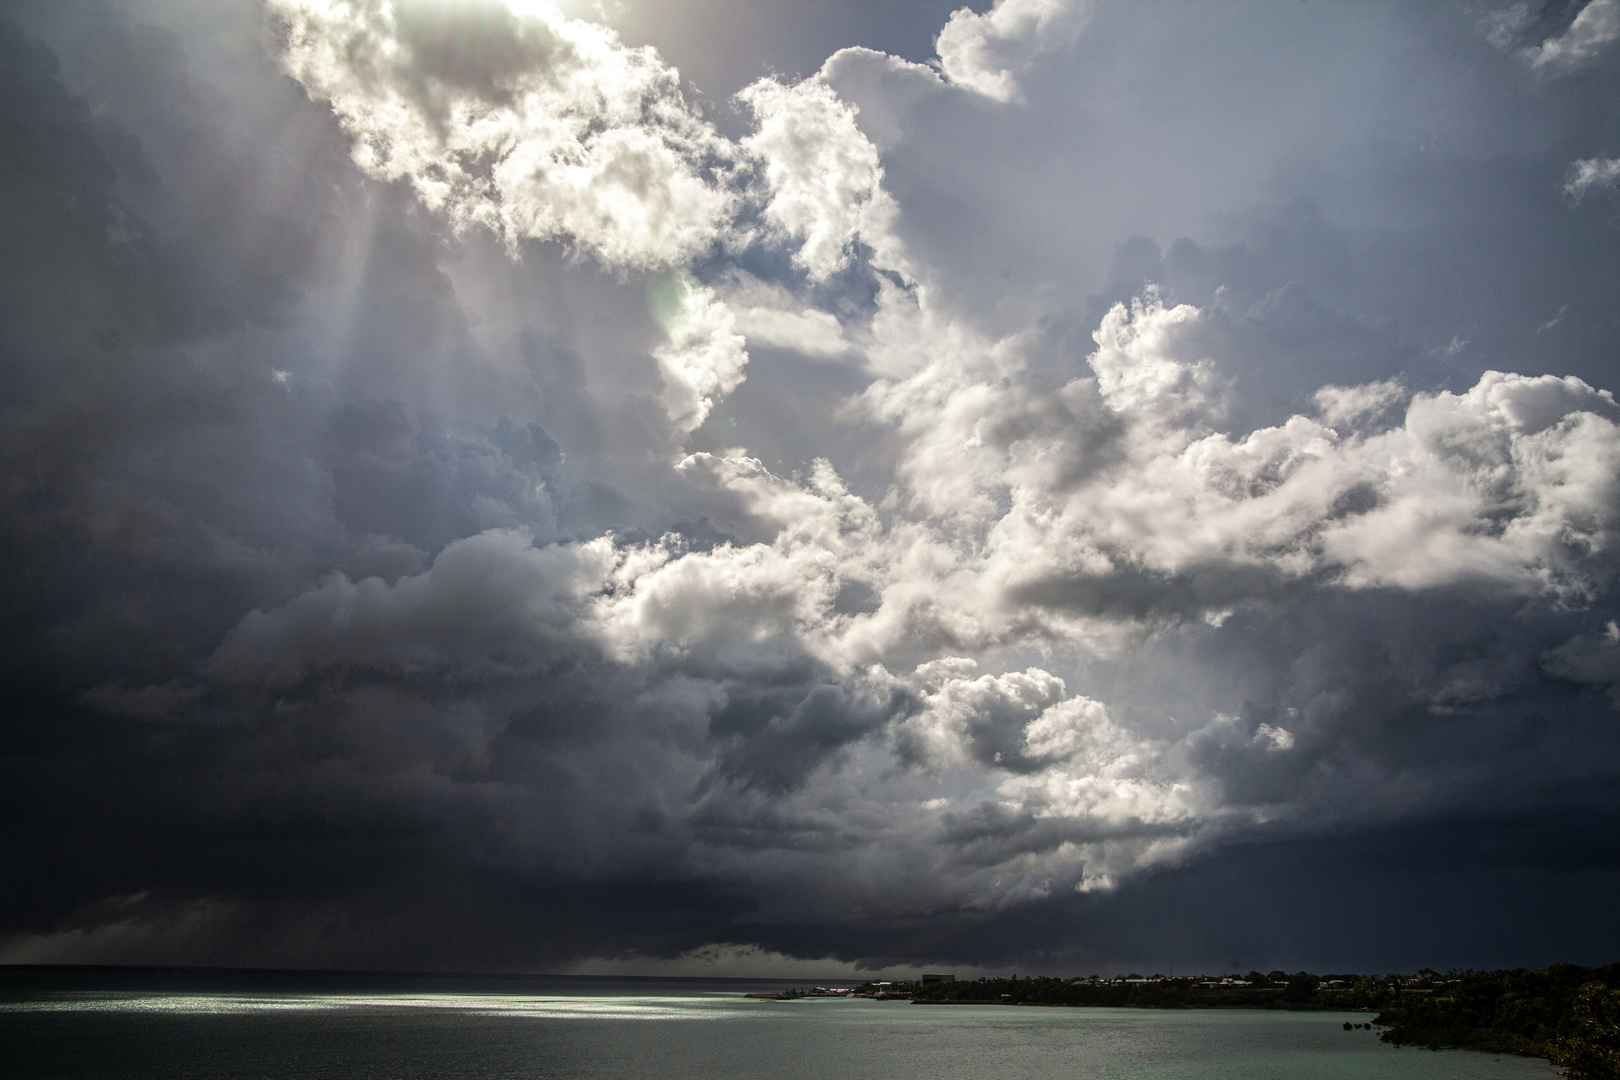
{"x":607,"y":1008}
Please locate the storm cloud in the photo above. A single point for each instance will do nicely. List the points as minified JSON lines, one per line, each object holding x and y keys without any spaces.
{"x":476,"y":497}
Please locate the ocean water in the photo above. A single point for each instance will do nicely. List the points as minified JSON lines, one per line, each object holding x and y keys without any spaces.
{"x":367,"y":1030}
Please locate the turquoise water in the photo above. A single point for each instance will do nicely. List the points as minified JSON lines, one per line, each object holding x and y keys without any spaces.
{"x":676,"y":1033}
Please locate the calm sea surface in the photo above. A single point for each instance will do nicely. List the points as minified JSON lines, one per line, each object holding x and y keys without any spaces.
{"x":668,"y":1032}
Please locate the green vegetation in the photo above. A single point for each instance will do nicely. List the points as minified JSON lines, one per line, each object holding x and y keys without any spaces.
{"x":1566,"y":1013}
{"x":1559,"y":1010}
{"x":1589,"y":1047}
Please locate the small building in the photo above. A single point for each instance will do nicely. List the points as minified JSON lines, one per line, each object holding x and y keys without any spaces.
{"x":937,"y":976}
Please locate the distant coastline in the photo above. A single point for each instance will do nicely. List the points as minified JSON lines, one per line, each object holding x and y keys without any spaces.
{"x":1560,"y":1012}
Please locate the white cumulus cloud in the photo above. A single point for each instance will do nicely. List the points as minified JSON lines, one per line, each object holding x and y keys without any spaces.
{"x":521,"y":120}
{"x":1589,"y":174}
{"x":704,"y":356}
{"x":985,"y":52}
{"x":1588,"y":37}
{"x":825,"y":178}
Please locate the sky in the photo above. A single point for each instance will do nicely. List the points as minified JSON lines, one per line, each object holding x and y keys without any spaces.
{"x":826,"y":489}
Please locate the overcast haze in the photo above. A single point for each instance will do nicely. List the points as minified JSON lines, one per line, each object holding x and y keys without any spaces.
{"x":704,"y":486}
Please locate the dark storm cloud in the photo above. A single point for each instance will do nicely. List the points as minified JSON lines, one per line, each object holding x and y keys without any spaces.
{"x":839,"y":543}
{"x":183,"y":447}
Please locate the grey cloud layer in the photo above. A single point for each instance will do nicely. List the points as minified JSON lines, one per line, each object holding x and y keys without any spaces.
{"x":399,"y":520}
